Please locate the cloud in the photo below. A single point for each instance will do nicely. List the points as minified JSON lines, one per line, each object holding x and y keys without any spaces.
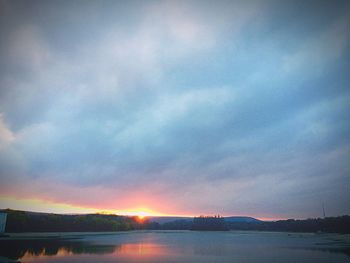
{"x":6,"y":135}
{"x":319,"y":51}
{"x":204,"y":107}
{"x":27,"y":48}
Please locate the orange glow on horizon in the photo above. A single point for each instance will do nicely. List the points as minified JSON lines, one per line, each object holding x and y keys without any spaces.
{"x":39,"y":205}
{"x":141,"y":212}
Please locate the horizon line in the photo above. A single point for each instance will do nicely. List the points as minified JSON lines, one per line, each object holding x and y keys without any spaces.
{"x":153,"y":215}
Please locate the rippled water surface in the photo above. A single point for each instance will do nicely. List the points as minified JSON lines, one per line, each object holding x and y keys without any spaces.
{"x":176,"y":246}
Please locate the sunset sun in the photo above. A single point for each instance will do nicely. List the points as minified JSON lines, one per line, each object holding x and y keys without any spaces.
{"x":142,"y":214}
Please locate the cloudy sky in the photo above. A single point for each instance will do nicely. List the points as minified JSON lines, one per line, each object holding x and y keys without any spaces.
{"x":175,"y":107}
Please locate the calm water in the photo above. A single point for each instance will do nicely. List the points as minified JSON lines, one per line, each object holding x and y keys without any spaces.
{"x":177,"y":246}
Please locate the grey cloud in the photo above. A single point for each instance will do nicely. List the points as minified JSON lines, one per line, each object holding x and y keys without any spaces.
{"x":179,"y":101}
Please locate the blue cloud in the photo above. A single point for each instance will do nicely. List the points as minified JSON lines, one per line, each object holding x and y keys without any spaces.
{"x":182,"y":98}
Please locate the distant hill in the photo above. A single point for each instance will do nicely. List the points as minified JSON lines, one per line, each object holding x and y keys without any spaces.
{"x":209,"y":223}
{"x":167,"y":219}
{"x":241,"y":219}
{"x":230,"y":219}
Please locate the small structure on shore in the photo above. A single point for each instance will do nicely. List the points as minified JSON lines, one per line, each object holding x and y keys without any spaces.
{"x":3,"y":217}
{"x":209,"y":223}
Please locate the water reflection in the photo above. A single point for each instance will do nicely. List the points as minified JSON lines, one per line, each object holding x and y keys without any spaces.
{"x":174,"y":247}
{"x":34,"y":249}
{"x":18,"y":249}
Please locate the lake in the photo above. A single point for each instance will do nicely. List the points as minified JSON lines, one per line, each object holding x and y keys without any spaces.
{"x":176,"y":246}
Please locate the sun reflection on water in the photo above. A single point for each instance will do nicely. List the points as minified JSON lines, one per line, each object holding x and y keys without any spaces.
{"x":126,"y":251}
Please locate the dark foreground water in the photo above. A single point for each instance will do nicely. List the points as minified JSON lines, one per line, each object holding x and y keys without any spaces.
{"x":176,"y":246}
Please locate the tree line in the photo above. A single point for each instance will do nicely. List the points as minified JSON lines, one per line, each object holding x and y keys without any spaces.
{"x":20,"y":221}
{"x":340,"y":224}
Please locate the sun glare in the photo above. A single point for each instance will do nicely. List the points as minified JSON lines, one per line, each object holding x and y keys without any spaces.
{"x":142,"y":214}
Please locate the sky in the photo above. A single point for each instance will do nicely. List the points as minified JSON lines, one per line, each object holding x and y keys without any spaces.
{"x":175,"y":107}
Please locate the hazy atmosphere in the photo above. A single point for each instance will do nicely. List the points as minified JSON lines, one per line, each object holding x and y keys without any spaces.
{"x":175,"y":107}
